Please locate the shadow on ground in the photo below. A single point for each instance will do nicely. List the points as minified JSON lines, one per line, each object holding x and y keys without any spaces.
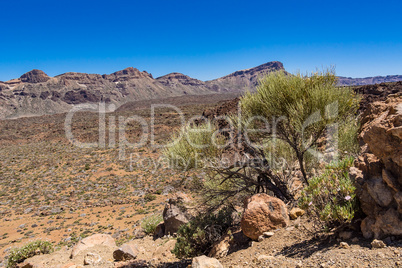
{"x":307,"y":248}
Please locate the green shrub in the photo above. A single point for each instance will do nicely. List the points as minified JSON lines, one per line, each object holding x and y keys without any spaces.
{"x":18,"y":255}
{"x":197,"y":237}
{"x":330,"y":198}
{"x":302,"y":107}
{"x":149,"y":223}
{"x":194,"y":145}
{"x":149,"y":197}
{"x":348,"y":143}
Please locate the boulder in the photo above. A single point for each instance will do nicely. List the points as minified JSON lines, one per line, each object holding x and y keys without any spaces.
{"x":205,"y":262}
{"x":175,"y":213}
{"x":91,"y":241}
{"x":263,"y":213}
{"x":127,"y":251}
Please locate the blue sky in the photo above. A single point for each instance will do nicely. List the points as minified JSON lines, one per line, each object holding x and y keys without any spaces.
{"x":203,"y":39}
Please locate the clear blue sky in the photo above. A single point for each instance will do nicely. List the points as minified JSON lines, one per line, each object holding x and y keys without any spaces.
{"x":204,"y":39}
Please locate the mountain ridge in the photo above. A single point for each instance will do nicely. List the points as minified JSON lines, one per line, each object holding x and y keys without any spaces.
{"x":35,"y":93}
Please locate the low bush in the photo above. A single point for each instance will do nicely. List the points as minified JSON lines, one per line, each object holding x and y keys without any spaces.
{"x":18,"y":255}
{"x":149,"y":197}
{"x":330,"y":198}
{"x":197,"y":237}
{"x":193,"y":146}
{"x":149,"y":223}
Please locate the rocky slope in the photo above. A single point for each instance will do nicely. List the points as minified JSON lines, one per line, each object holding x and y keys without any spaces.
{"x":244,"y":79}
{"x":35,"y":93}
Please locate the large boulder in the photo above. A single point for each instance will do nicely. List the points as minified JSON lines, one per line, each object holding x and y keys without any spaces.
{"x":176,"y":213}
{"x":91,"y":241}
{"x":378,"y":170}
{"x":205,"y":262}
{"x":127,"y":251}
{"x":263,"y":213}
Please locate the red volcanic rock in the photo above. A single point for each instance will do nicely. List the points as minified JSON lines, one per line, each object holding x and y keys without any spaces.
{"x":378,"y":171}
{"x":263,"y":213}
{"x":34,"y":76}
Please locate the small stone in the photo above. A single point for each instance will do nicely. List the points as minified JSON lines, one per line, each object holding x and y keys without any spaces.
{"x":262,"y":258}
{"x":378,"y":244}
{"x":92,"y":259}
{"x":205,"y":262}
{"x":28,"y":210}
{"x":295,"y":213}
{"x":344,"y":245}
{"x":261,"y":238}
{"x":268,"y":234}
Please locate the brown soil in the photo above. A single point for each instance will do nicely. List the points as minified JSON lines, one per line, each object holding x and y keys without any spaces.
{"x":52,"y":190}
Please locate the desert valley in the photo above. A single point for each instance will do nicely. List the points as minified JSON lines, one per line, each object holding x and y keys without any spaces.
{"x":107,"y":206}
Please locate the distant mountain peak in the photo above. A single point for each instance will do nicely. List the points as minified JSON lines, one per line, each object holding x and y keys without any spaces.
{"x":127,"y":74}
{"x":179,"y":78}
{"x":246,"y":79}
{"x":34,"y":76}
{"x":271,"y":66}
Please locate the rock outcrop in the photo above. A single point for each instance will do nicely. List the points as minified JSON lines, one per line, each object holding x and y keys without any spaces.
{"x":176,"y":213}
{"x":378,"y":170}
{"x":263,"y":213}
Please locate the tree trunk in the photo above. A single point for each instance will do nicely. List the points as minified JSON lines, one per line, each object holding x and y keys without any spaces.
{"x":301,"y":163}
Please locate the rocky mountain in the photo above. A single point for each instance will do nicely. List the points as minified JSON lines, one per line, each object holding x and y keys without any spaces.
{"x":244,"y":79}
{"x":348,"y":81}
{"x":35,"y":93}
